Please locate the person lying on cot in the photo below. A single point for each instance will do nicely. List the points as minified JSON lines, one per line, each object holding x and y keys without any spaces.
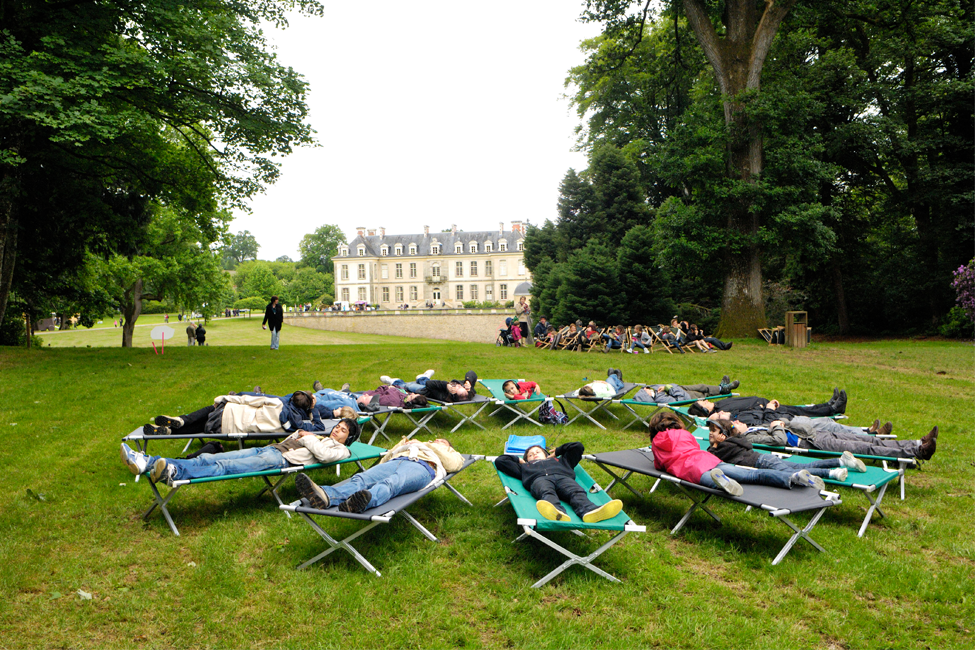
{"x":408,"y":467}
{"x":520,"y":389}
{"x":368,"y":401}
{"x":300,"y":448}
{"x":612,"y":387}
{"x":454,"y":390}
{"x":678,"y":453}
{"x":734,"y":449}
{"x":828,"y":435}
{"x":758,"y":411}
{"x":551,"y":479}
{"x":244,"y":413}
{"x":668,"y":393}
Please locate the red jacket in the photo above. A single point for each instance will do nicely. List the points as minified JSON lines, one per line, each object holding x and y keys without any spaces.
{"x":678,"y":453}
{"x":525,"y":389}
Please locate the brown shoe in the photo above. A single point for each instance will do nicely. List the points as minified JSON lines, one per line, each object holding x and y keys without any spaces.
{"x":873,"y":427}
{"x":929,"y":445}
{"x":886,"y":429}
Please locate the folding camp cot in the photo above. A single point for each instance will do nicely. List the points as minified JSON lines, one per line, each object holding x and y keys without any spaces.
{"x":515,"y":406}
{"x":777,"y":502}
{"x":533,"y":524}
{"x":418,"y":416}
{"x":628,"y":404}
{"x":597,"y":403}
{"x":379,"y":515}
{"x":481,"y":402}
{"x":359,"y":452}
{"x":141,"y":439}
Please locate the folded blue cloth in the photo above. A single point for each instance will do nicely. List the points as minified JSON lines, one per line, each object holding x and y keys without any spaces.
{"x":518,"y":445}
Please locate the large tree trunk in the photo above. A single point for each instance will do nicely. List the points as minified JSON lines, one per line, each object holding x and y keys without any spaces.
{"x":842,"y":315}
{"x":131,"y":311}
{"x":737,"y":60}
{"x":9,"y":225}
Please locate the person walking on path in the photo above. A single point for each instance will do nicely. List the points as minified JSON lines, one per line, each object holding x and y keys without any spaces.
{"x":190,"y":333}
{"x":273,"y":316}
{"x":523,"y":312}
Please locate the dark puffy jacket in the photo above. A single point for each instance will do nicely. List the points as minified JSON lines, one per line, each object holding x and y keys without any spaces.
{"x":567,"y":456}
{"x":293,"y":418}
{"x":736,"y":451}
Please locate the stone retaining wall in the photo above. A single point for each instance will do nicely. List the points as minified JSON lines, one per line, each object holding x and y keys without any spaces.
{"x":476,"y":326}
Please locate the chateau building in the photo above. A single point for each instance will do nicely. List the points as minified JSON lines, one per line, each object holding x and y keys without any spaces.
{"x":452,"y":267}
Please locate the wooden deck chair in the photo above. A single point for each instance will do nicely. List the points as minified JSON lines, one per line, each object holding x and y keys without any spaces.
{"x":534,"y":525}
{"x":778,"y":503}
{"x":682,"y":335}
{"x":656,"y":340}
{"x":766,"y":334}
{"x":418,"y":416}
{"x":595,"y":342}
{"x":379,"y":515}
{"x":516,"y":407}
{"x":595,"y":404}
{"x":359,"y":452}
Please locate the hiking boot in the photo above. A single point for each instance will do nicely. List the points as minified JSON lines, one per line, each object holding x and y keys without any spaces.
{"x":311,"y":492}
{"x":386,"y":379}
{"x":603,"y":512}
{"x":358,"y":502}
{"x":886,"y":429}
{"x":874,"y":427}
{"x":728,"y":347}
{"x":168,"y":421}
{"x":836,"y":394}
{"x":850,"y":461}
{"x":726,"y":385}
{"x":929,"y":444}
{"x":346,"y":388}
{"x":163,"y":471}
{"x":805,"y":479}
{"x":839,"y":406}
{"x":550,"y":512}
{"x":317,"y":386}
{"x":153,"y":430}
{"x":730,"y":486}
{"x":838,"y":473}
{"x":136,"y":462}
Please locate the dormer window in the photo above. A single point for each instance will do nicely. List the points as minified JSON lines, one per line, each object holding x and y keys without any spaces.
{"x":458,"y":248}
{"x":344,"y":251}
{"x":362,"y":251}
{"x":435,"y":249}
{"x":399,"y":249}
{"x":384,"y":251}
{"x":412,"y":249}
{"x":502,"y":245}
{"x":520,"y":245}
{"x":488,"y":247}
{"x":473,"y":247}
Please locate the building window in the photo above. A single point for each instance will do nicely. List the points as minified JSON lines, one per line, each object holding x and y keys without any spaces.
{"x":344,"y":251}
{"x":489,"y":292}
{"x":436,"y":294}
{"x":504,"y":291}
{"x":488,"y":247}
{"x":345,"y":294}
{"x":412,"y":269}
{"x":503,"y":267}
{"x":458,"y":248}
{"x":362,"y":251}
{"x":521,"y":267}
{"x":520,"y":246}
{"x":385,"y":294}
{"x":384,"y":269}
{"x":362,"y":271}
{"x":473,"y":246}
{"x":460,"y":292}
{"x":459,"y":269}
{"x":473,"y":269}
{"x":435,"y":270}
{"x":413,"y":293}
{"x":473,"y":292}
{"x":488,"y":268}
{"x":362,"y":293}
{"x":412,"y":249}
{"x":435,"y":249}
{"x":345,"y":271}
{"x":399,"y":271}
{"x":399,"y":249}
{"x":384,"y":251}
{"x":502,"y":245}
{"x":399,"y":294}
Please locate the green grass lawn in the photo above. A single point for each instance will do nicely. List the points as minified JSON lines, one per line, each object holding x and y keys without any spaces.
{"x":70,"y":514}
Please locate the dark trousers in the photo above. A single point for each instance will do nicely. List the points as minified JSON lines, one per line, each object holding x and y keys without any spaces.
{"x":556,"y":488}
{"x":814,"y":411}
{"x":196,"y":421}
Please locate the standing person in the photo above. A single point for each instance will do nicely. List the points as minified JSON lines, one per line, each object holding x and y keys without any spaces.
{"x":165,"y":318}
{"x":273,"y":316}
{"x":523,"y":311}
{"x":190,"y":333}
{"x":201,"y":335}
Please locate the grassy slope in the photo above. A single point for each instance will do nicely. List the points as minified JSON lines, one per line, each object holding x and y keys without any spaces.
{"x":908,"y":583}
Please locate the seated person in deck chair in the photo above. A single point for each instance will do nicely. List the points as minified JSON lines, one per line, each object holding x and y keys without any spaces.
{"x":551,"y":479}
{"x":668,"y":393}
{"x":408,"y":467}
{"x":454,"y":390}
{"x":520,"y":389}
{"x":541,"y":328}
{"x":615,"y":338}
{"x":677,"y":452}
{"x":829,"y":435}
{"x":734,"y":449}
{"x":758,"y":411}
{"x":368,"y":401}
{"x":301,"y":448}
{"x":670,"y":338}
{"x":573,"y":339}
{"x":604,"y":389}
{"x":696,"y":335}
{"x":244,"y":413}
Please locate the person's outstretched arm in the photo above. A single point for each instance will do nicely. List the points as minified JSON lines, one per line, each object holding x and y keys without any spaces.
{"x":570,"y":452}
{"x":509,"y":465}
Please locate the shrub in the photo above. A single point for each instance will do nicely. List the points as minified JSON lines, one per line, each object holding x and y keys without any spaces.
{"x":13,"y":330}
{"x":157,"y":307}
{"x":254,"y":303}
{"x":964,"y":286}
{"x":957,"y":324}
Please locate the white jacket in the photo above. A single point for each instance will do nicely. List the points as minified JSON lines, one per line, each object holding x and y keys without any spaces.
{"x":317,"y":449}
{"x":445,"y":459}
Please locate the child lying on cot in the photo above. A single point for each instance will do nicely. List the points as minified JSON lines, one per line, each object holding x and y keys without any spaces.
{"x":520,"y":389}
{"x":552,"y":478}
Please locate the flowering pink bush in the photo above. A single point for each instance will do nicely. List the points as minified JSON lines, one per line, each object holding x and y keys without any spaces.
{"x":964,"y":286}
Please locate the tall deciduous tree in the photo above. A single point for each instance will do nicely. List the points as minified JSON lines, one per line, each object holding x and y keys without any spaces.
{"x":318,"y":248}
{"x":239,"y":248}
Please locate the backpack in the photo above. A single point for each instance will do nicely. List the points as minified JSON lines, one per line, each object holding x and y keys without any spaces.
{"x":548,"y":414}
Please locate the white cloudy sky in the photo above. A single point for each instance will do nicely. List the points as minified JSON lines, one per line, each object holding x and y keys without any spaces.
{"x":428,"y":113}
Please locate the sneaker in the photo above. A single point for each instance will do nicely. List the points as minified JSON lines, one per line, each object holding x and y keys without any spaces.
{"x":153,"y":430}
{"x":428,"y":374}
{"x":136,"y":462}
{"x":838,"y":473}
{"x":310,"y":491}
{"x":168,"y":421}
{"x":603,"y":512}
{"x":805,"y":479}
{"x":163,"y":471}
{"x":730,"y":486}
{"x":346,"y":388}
{"x":852,"y":462}
{"x":550,"y":512}
{"x":317,"y":386}
{"x":386,"y":379}
{"x":929,"y":444}
{"x":358,"y":502}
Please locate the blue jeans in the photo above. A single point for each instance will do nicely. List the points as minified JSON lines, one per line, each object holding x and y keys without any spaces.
{"x":385,"y":481}
{"x":756,"y":476}
{"x":275,"y":338}
{"x":241,"y":461}
{"x":615,"y":382}
{"x":419,"y":386}
{"x":816,"y":468}
{"x":330,"y":399}
{"x":638,"y":345}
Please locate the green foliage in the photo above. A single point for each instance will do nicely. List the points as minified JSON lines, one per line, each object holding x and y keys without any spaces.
{"x":158,"y":307}
{"x":239,"y":248}
{"x":643,"y":283}
{"x":318,"y":248}
{"x":254,"y":304}
{"x":13,"y":329}
{"x":957,"y":325}
{"x":590,"y":288}
{"x":260,"y":282}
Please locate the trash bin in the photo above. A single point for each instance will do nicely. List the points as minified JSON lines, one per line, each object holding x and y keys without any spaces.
{"x":796,"y":329}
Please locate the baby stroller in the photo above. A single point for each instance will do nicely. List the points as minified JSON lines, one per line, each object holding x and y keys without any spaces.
{"x":505,"y":337}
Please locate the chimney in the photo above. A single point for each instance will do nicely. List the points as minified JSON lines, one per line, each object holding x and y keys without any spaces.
{"x":426,"y":230}
{"x":382,"y":232}
{"x":453,"y":228}
{"x":361,"y":231}
{"x":371,"y":232}
{"x":501,"y":228}
{"x":517,"y":227}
